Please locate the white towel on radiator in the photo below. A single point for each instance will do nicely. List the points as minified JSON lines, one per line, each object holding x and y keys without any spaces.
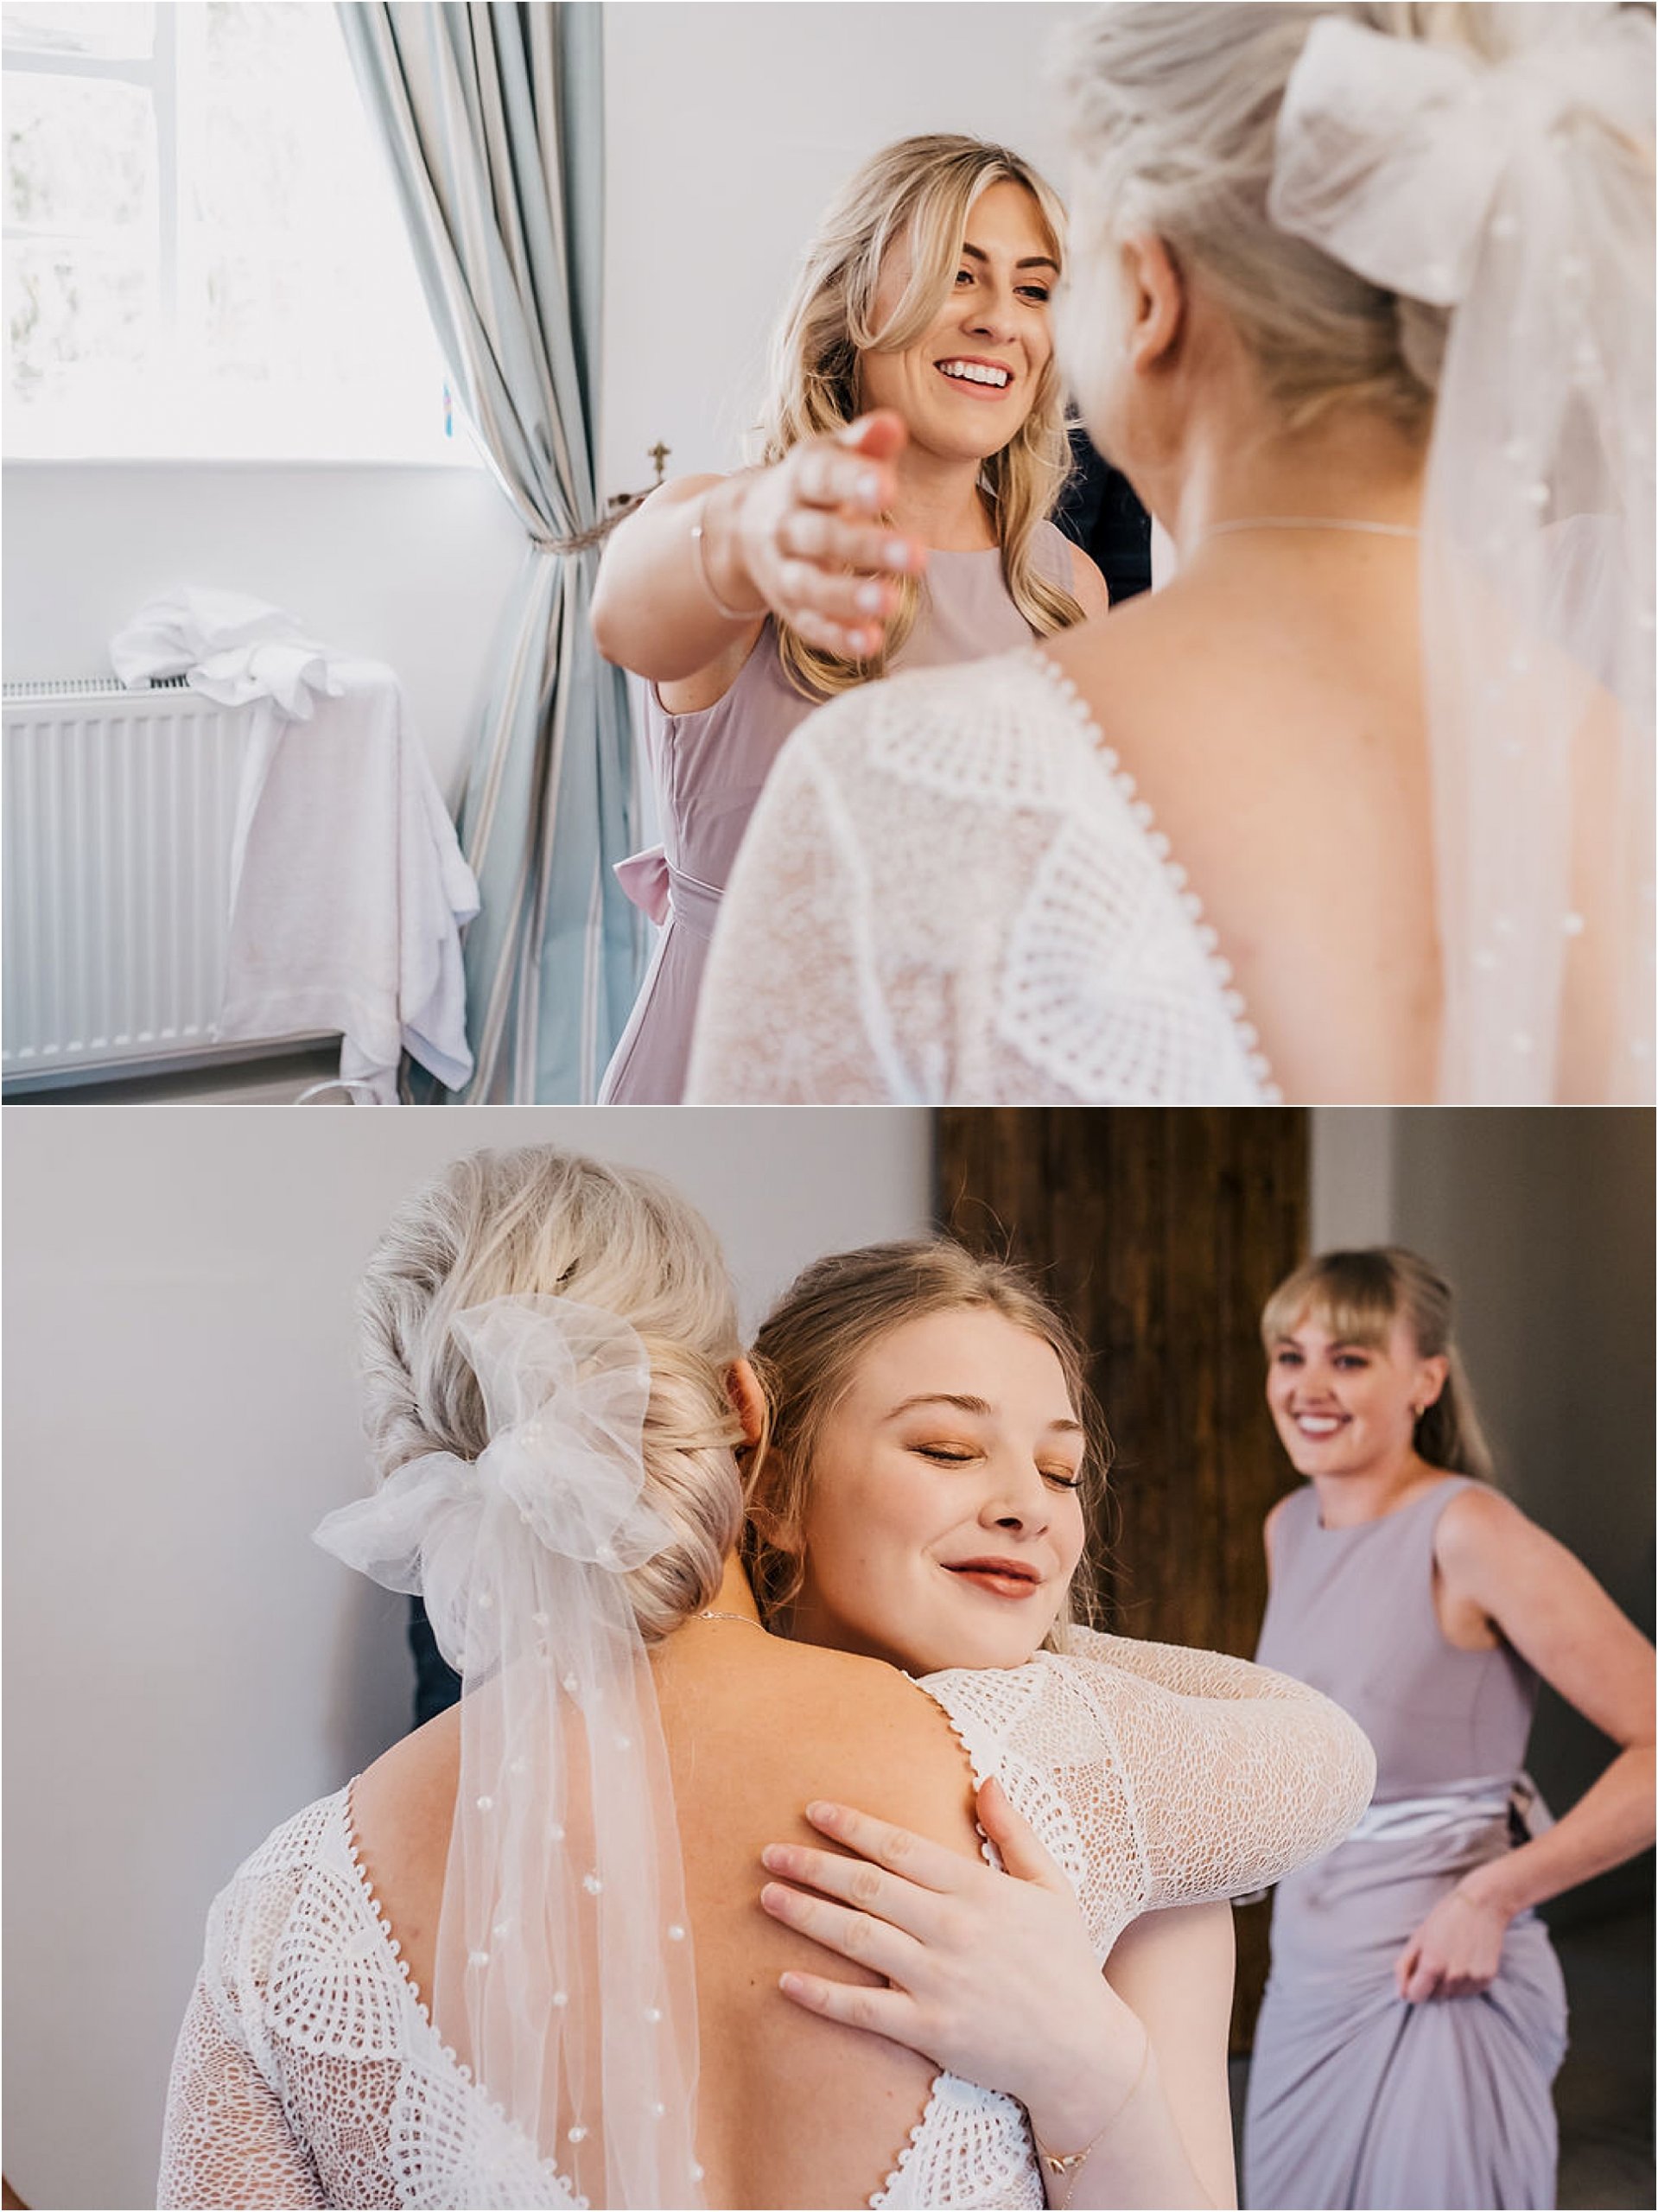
{"x":226,"y":645}
{"x":349,"y":888}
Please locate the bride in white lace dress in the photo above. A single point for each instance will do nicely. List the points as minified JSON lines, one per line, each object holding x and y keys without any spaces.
{"x":1359,"y":806}
{"x":466,"y":1980}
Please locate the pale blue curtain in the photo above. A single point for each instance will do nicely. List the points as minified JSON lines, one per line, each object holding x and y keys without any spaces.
{"x":493,"y":117}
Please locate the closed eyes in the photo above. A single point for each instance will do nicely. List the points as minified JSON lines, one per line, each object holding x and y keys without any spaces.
{"x":945,"y":1455}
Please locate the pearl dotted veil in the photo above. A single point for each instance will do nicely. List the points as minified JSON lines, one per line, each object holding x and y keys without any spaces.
{"x":563,"y":1981}
{"x":1518,"y":194}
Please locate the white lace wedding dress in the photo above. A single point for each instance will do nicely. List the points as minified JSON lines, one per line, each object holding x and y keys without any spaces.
{"x":950,"y":892}
{"x":307,"y":2074}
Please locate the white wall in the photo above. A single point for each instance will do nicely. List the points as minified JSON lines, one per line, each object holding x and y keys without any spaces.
{"x":182,"y":1667}
{"x":408,"y":564}
{"x":1351,"y":1174}
{"x":728,"y":127}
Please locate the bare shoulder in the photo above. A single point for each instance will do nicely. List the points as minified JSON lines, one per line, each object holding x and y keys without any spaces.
{"x":1478,"y":1523}
{"x":1088,"y":584}
{"x":878,"y":1742}
{"x":1105,"y":659}
{"x":403,"y":1805}
{"x":677,"y":491}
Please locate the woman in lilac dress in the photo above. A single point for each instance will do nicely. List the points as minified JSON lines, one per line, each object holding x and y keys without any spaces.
{"x":915,"y":447}
{"x":1416,"y":2015}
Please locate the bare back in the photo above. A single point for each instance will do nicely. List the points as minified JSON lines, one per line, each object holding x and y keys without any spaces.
{"x":1270,"y":710}
{"x":792,"y":2110}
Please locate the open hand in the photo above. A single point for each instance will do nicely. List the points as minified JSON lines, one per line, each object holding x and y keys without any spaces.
{"x":809,"y":537}
{"x":991,"y":1977}
{"x":1455,"y":1953}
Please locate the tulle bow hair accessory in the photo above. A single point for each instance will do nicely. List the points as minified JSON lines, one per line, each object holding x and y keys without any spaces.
{"x":564,"y":1981}
{"x":565,"y":1388}
{"x":1515,"y":193}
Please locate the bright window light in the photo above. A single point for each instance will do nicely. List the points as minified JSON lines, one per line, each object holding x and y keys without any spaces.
{"x":204,"y":258}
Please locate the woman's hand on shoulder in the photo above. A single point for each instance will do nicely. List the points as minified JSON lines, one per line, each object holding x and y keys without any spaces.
{"x":991,"y":1977}
{"x":806,"y":535}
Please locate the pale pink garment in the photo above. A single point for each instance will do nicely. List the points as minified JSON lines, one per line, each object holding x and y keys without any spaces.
{"x":709,"y":768}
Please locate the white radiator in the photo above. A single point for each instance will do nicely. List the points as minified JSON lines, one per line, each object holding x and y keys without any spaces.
{"x":119,"y":812}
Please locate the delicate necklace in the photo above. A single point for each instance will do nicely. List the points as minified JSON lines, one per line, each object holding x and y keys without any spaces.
{"x":1307,"y":522}
{"x":747,"y":1619}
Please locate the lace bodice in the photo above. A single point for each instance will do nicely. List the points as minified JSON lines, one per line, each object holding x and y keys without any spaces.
{"x":307,"y":2072}
{"x":950,"y":892}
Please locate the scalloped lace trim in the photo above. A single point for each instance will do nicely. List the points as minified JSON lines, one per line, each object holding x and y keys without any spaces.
{"x":918,"y":2135}
{"x":988,"y":1853}
{"x":1142,"y":813}
{"x":394,"y":1949}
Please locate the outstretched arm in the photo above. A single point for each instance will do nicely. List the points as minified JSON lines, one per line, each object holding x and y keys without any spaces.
{"x":991,"y":1975}
{"x":1545,"y":1602}
{"x":803,"y":539}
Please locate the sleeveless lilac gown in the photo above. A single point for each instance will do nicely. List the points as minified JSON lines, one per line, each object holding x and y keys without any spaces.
{"x":1356,"y":2098}
{"x":707,"y":769}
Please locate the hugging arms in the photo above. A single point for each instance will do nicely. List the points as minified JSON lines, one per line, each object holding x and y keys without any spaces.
{"x":514,"y":1895}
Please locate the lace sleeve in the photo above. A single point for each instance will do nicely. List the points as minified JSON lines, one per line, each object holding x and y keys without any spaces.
{"x":792,"y":1008}
{"x":1238,"y":1773}
{"x":227,"y":2139}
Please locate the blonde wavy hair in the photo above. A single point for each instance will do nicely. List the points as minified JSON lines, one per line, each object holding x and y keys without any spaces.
{"x":919,"y":193}
{"x":805,"y":1358}
{"x":538,"y":1219}
{"x":1357,"y":1297}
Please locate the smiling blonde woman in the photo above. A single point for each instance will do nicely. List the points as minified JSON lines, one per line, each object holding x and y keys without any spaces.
{"x":917,"y":536}
{"x":1415,"y":2015}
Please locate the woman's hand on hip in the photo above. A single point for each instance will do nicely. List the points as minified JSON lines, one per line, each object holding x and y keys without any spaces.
{"x":806,"y":535}
{"x":990,"y":1975}
{"x":1456,"y":1950}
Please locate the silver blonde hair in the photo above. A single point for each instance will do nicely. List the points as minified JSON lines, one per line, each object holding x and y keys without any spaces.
{"x":919,"y":192}
{"x":541,"y":1220}
{"x":1171,"y":111}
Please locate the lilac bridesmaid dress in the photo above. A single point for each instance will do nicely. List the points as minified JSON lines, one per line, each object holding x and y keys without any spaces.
{"x":707,"y":769}
{"x":1356,"y":2098}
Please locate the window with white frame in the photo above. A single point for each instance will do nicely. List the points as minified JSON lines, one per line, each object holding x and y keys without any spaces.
{"x":204,"y":257}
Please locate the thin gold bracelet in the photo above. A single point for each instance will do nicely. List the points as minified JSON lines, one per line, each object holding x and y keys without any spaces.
{"x":700,"y":555}
{"x":1066,"y":2163}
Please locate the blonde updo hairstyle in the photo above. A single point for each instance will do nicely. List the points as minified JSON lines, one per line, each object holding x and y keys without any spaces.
{"x":538,"y":1219}
{"x":806,"y":1357}
{"x":920,"y":192}
{"x":1171,"y":111}
{"x":1356,"y":1297}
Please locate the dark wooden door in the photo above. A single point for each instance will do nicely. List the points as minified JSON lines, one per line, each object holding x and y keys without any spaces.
{"x":1161,"y":1232}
